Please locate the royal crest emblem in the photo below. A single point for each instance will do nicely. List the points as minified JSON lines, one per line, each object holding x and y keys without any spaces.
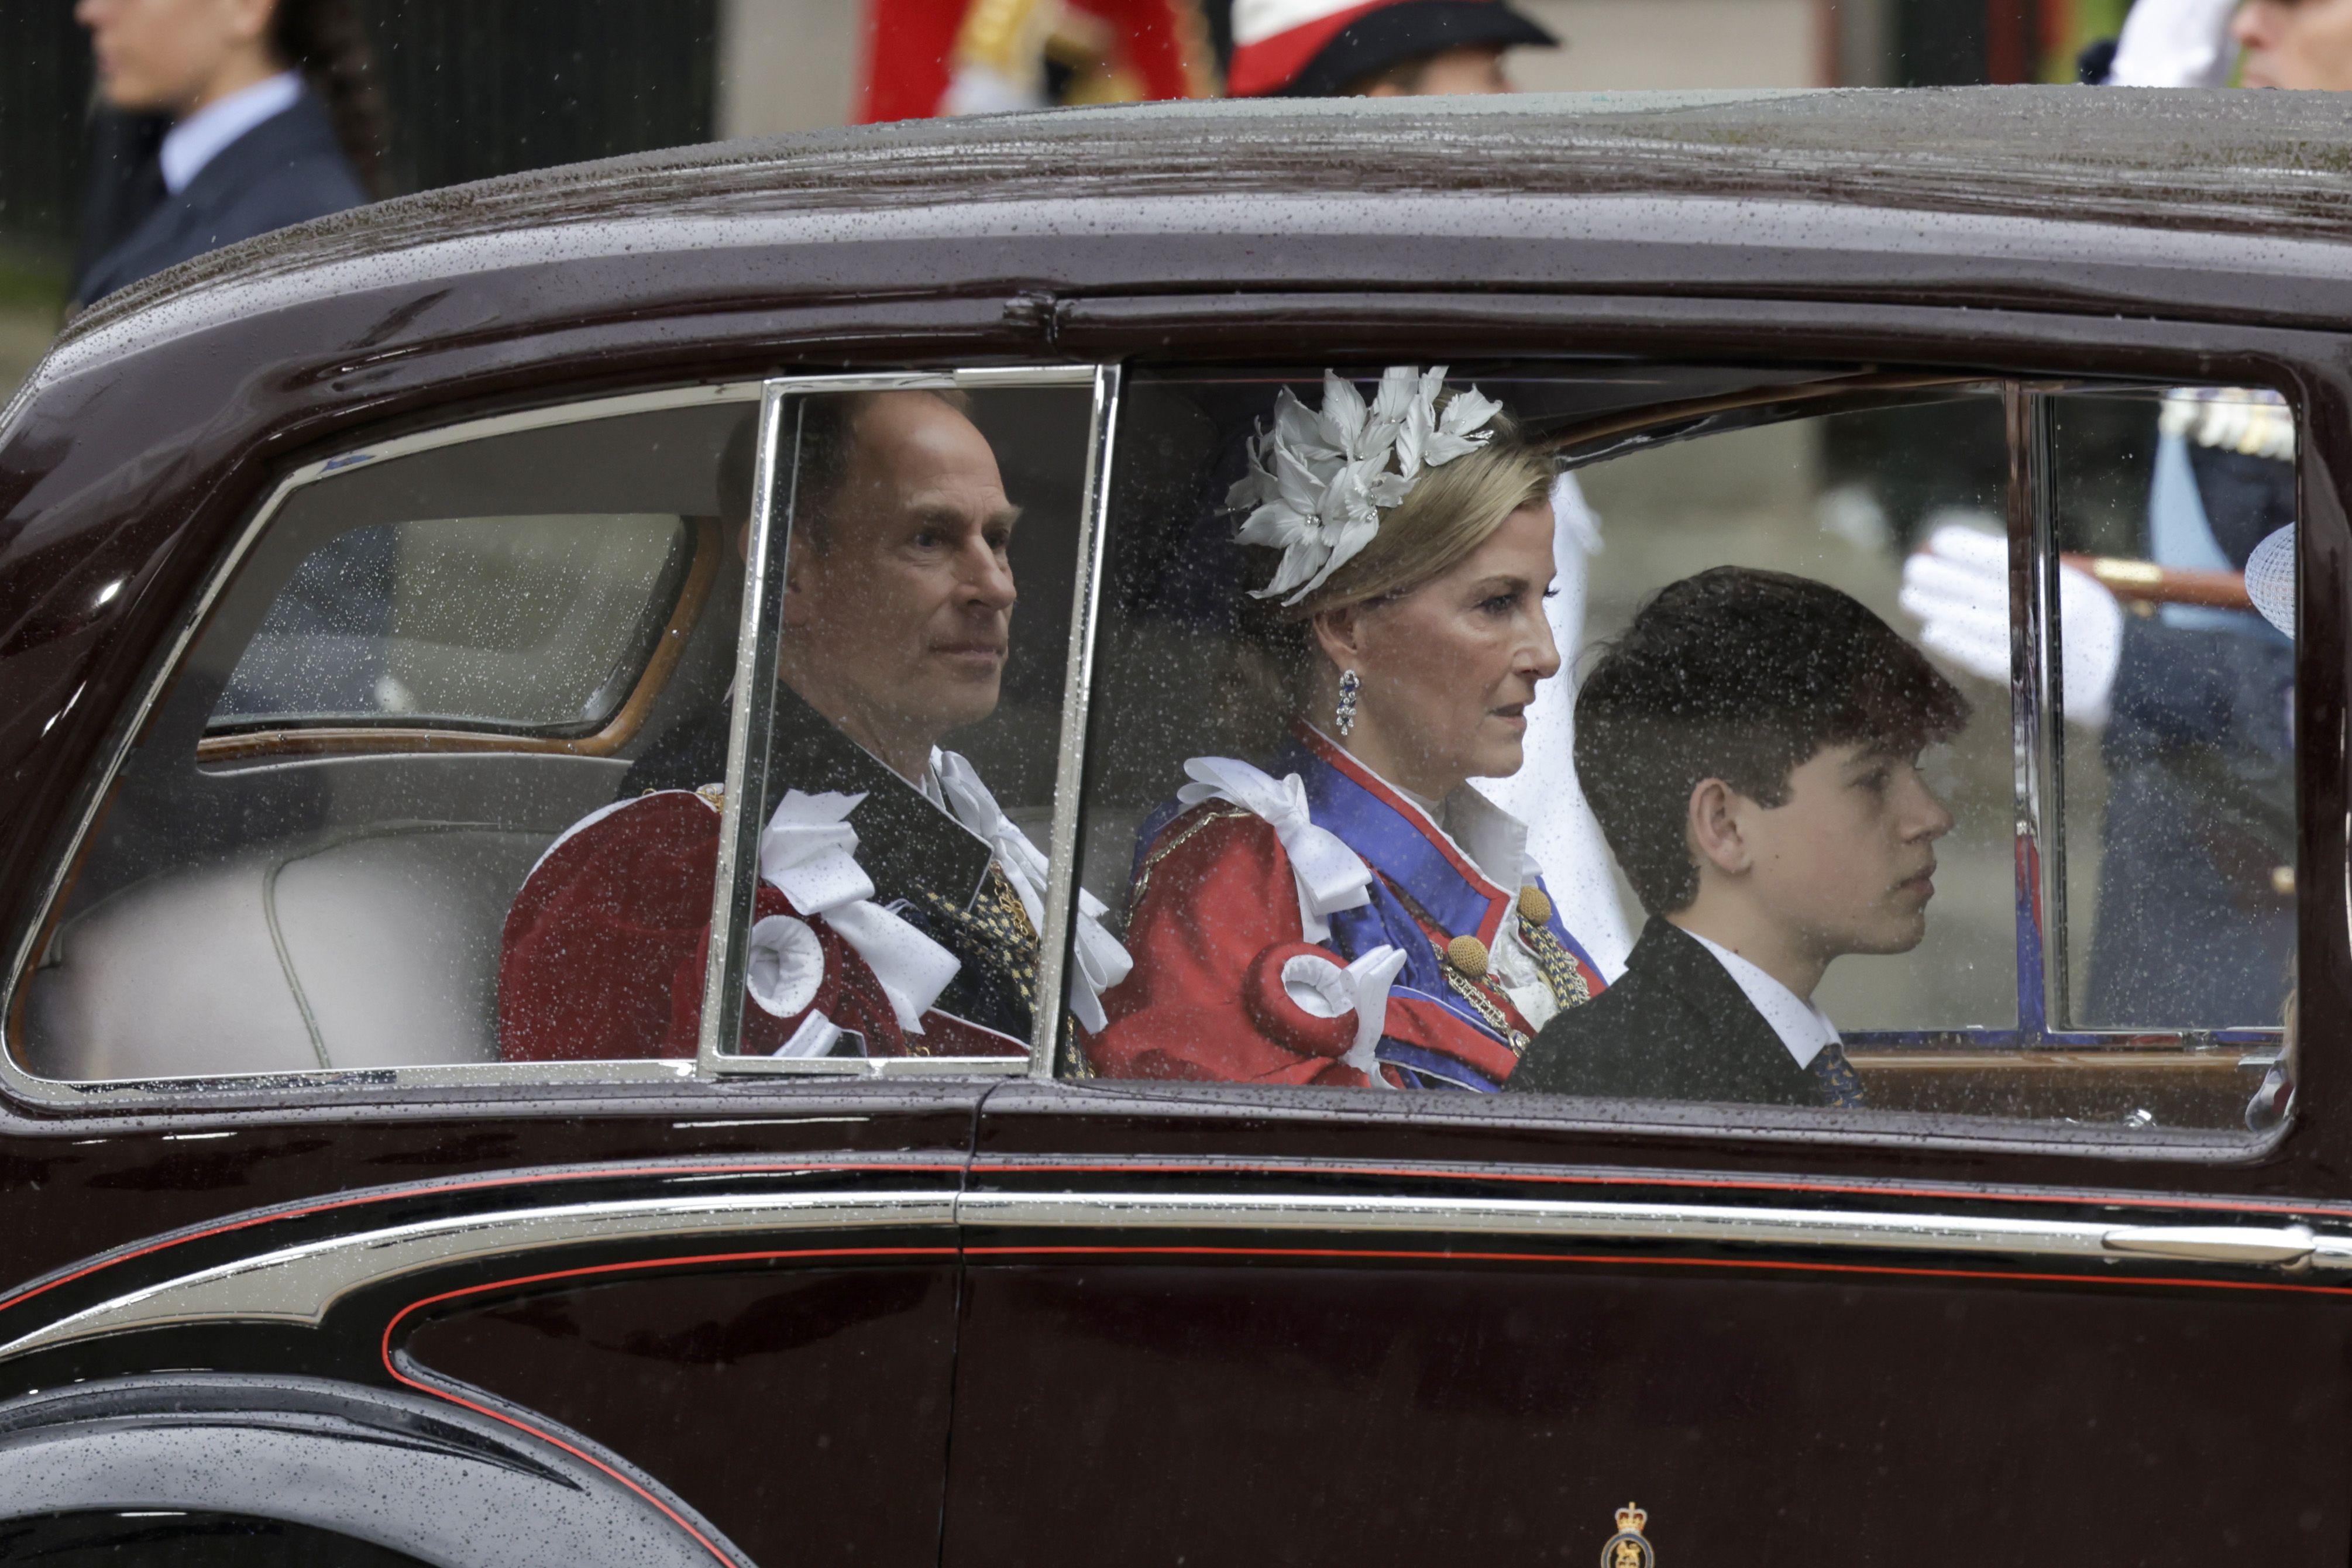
{"x":1629,"y":1548}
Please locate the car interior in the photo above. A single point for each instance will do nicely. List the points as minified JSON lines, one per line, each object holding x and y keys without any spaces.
{"x":426,"y":667}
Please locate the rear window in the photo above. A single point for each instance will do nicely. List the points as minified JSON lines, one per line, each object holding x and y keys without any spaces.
{"x":541,"y":623}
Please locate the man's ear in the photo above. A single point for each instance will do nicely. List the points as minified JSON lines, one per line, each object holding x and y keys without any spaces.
{"x":250,"y":19}
{"x":1340,"y":634}
{"x":1713,"y":827}
{"x":797,"y":610}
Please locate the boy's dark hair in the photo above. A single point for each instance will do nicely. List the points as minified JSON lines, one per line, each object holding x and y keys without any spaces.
{"x":1741,"y":675}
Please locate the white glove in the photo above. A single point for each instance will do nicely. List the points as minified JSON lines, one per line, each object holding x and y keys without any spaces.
{"x":1958,"y":586}
{"x":2176,"y":43}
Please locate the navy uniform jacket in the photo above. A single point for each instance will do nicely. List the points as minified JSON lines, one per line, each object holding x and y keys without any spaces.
{"x":1675,"y":1026}
{"x":2199,"y":753}
{"x":285,"y":170}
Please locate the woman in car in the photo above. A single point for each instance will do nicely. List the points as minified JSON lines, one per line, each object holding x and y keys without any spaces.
{"x":1357,"y":913}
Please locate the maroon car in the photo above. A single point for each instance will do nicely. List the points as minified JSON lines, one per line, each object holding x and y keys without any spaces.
{"x":596,"y":767}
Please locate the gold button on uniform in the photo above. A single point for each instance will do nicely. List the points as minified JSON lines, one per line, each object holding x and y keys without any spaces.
{"x":1535,"y":906}
{"x":1468,"y":954}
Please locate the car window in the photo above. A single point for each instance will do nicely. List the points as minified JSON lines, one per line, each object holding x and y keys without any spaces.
{"x":543,"y":624}
{"x":455,"y":773}
{"x":431,"y":661}
{"x":2173,"y":722}
{"x":893,"y":908}
{"x":1669,"y":732}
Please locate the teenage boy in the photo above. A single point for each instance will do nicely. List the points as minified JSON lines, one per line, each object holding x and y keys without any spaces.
{"x":1750,"y":748}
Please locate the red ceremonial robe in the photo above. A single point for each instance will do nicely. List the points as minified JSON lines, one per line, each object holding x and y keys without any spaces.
{"x":605,"y":946}
{"x":1216,"y":918}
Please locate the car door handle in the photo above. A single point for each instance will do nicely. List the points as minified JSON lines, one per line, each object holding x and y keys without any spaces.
{"x":2290,"y":1246}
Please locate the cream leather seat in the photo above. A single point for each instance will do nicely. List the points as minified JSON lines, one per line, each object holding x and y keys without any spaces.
{"x":370,"y":948}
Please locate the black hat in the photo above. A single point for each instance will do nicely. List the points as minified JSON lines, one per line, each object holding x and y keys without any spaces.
{"x":1317,"y":48}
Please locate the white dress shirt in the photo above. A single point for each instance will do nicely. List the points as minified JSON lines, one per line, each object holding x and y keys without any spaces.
{"x":1803,"y":1029}
{"x":201,"y":137}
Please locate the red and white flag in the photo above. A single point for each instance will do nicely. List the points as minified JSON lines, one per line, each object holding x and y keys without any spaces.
{"x":924,"y":58}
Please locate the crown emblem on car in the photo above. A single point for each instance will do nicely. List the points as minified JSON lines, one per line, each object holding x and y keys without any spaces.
{"x":1629,"y":1548}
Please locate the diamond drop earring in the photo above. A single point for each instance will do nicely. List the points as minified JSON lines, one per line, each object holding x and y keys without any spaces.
{"x":1350,"y":683}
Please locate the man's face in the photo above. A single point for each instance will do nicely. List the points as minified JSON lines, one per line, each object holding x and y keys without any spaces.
{"x":156,"y":56}
{"x":901,"y":616}
{"x":1847,"y":862}
{"x":2294,"y":43}
{"x":1476,"y":71}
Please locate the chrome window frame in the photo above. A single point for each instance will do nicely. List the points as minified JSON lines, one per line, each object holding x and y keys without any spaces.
{"x":737,"y":867}
{"x":747,"y":738}
{"x":2038,"y":723}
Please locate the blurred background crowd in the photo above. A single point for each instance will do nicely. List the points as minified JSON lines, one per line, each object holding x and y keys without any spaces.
{"x":423,"y":93}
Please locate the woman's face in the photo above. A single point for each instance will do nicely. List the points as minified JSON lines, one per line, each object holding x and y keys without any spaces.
{"x":170,"y":56}
{"x":1448,"y":669}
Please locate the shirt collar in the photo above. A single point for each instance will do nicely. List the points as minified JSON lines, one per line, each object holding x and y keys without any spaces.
{"x":1805,"y":1029}
{"x":204,"y":135}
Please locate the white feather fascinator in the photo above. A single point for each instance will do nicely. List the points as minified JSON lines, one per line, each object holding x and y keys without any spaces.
{"x":1317,"y":481}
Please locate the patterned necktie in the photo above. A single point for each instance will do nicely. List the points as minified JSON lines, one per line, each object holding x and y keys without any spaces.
{"x":1837,"y":1077}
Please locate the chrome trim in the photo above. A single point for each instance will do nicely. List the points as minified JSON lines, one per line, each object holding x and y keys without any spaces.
{"x":74,"y":1092}
{"x":2039,"y":477}
{"x":722,"y":1005}
{"x":980,"y":377}
{"x":1077,"y":701}
{"x":749,"y":724}
{"x":1536,"y":1217}
{"x":2292,"y":1245}
{"x":300,"y":1284}
{"x":539,"y":418}
{"x":1684,"y":1223}
{"x":2030,"y":651}
{"x":869,"y":1069}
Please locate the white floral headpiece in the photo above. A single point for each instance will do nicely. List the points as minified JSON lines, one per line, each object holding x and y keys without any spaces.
{"x":1317,"y":482}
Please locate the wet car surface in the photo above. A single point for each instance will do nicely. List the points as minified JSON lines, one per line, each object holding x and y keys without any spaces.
{"x":2052,"y":1288}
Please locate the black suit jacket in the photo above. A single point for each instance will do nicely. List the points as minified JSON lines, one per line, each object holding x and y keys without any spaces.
{"x":285,"y":170}
{"x":1675,"y":1026}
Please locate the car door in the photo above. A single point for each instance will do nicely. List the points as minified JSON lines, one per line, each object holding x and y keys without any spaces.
{"x":2067,"y":1281}
{"x":451,"y":1248}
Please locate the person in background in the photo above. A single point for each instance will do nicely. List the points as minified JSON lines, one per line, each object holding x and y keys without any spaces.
{"x":2294,"y":43}
{"x":1345,"y":48}
{"x":2190,"y":704}
{"x":273,"y":119}
{"x":2303,"y":43}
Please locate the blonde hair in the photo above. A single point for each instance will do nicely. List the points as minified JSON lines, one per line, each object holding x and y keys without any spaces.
{"x":1449,"y":513}
{"x":1442,"y":521}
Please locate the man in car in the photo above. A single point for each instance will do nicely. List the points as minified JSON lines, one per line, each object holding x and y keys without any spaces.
{"x":1398,"y":49}
{"x":897,"y":908}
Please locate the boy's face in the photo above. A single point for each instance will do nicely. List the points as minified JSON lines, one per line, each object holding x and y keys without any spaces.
{"x":1847,"y":863}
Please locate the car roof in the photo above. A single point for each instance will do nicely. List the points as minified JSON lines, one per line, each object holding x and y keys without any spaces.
{"x":2223,"y":205}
